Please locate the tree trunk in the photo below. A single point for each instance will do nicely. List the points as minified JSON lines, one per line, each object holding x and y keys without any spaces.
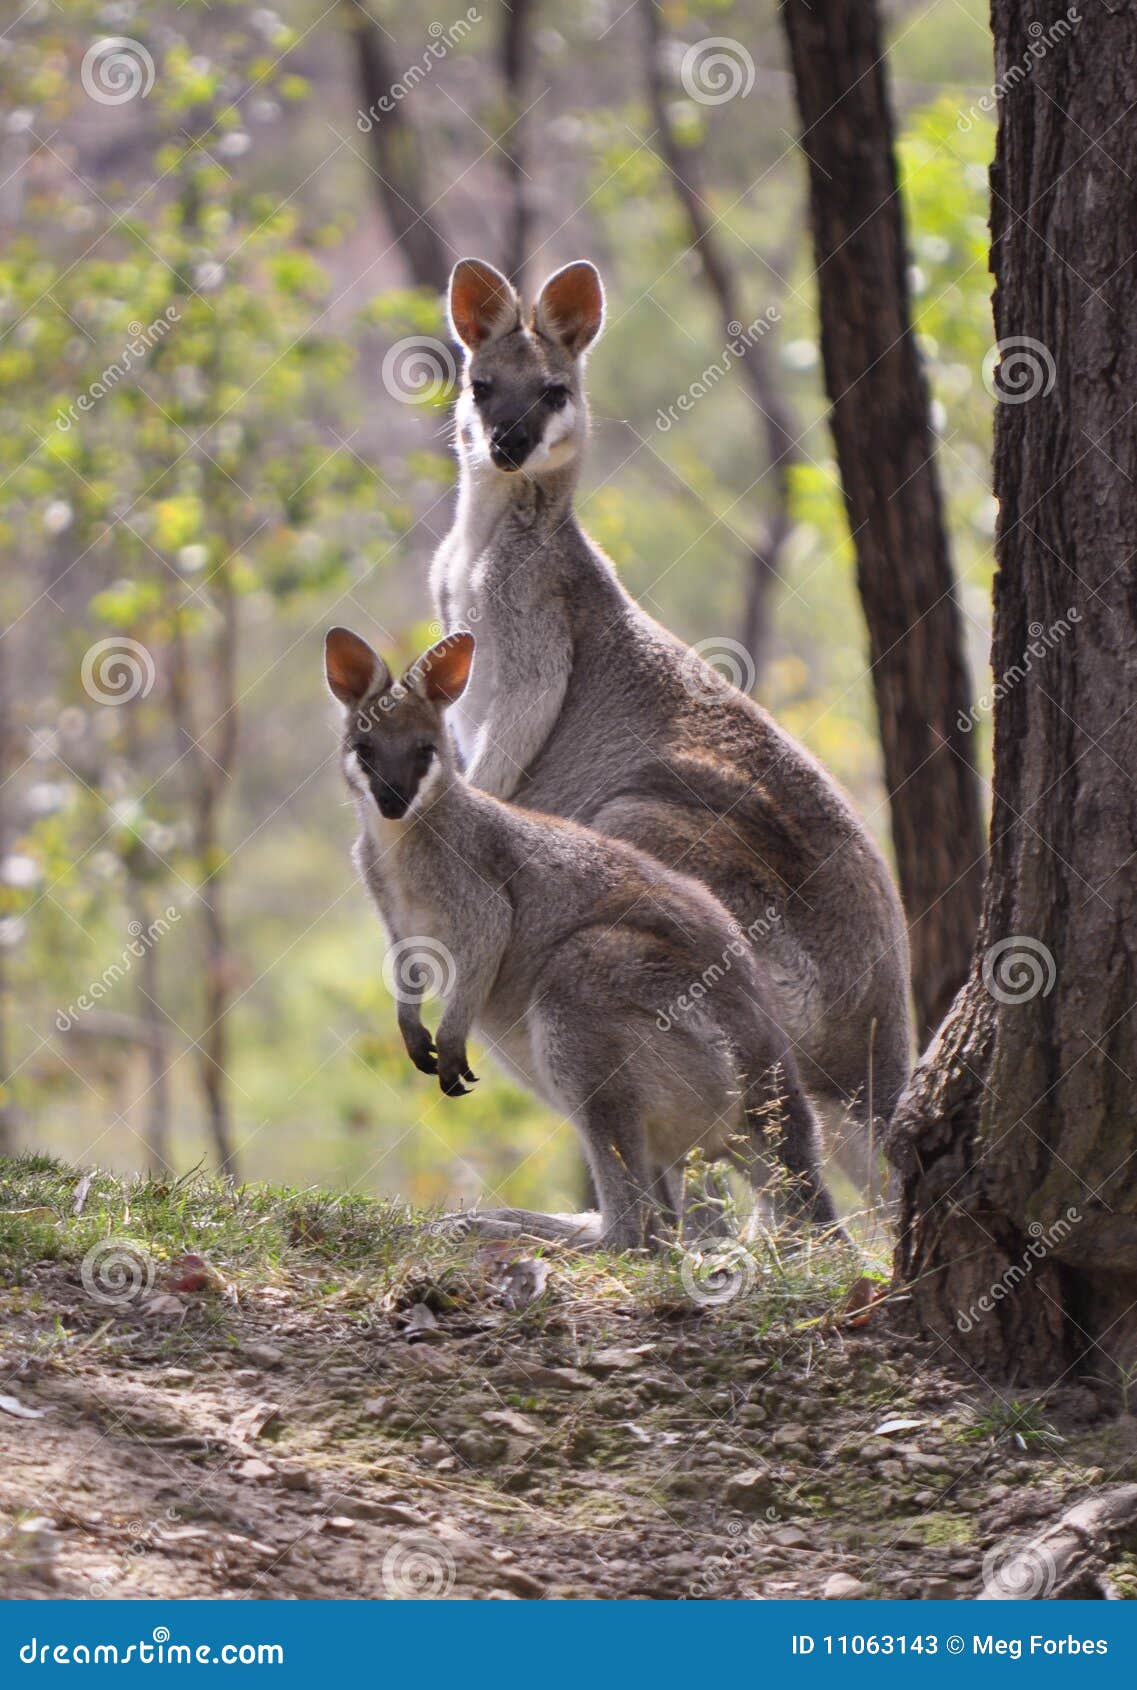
{"x":515,"y":50}
{"x":1017,"y":1143}
{"x":396,"y":153}
{"x":774,"y":419}
{"x":884,"y":447}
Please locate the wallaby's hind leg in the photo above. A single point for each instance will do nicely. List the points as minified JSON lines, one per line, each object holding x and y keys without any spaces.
{"x":615,"y":1144}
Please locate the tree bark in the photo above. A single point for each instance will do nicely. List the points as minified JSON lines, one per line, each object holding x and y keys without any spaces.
{"x":775,"y":420}
{"x":396,"y":155}
{"x":1017,"y":1142}
{"x":879,"y":417}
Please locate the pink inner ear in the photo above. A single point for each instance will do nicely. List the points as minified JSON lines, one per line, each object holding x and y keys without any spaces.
{"x":480,"y":300}
{"x":349,"y":664}
{"x":572,"y":305}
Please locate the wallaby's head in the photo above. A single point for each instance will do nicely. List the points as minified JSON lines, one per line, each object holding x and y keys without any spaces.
{"x":522,"y":403}
{"x":394,"y":735}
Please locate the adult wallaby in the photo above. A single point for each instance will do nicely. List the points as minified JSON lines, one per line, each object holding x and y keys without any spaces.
{"x":575,"y":956}
{"x":583,"y":706}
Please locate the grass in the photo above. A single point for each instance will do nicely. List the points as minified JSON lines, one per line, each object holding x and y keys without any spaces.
{"x":350,"y":1251}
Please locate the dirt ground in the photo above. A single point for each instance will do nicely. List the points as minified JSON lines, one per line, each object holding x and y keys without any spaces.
{"x":494,"y":1424}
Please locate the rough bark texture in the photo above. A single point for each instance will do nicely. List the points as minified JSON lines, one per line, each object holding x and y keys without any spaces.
{"x":1024,"y":1110}
{"x":396,"y":155}
{"x":885,"y":452}
{"x":773,"y":416}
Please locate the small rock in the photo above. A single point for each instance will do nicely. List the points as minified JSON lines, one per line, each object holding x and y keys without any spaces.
{"x":789,"y":1437}
{"x":296,"y":1478}
{"x":263,"y":1355}
{"x":255,"y":1469}
{"x":750,"y":1492}
{"x":178,"y":1376}
{"x":554,"y":1378}
{"x":939,"y":1590}
{"x":917,"y":1461}
{"x":523,"y":1583}
{"x":613,"y":1361}
{"x":509,"y":1420}
{"x":791,"y":1537}
{"x":339,"y":1524}
{"x":842,"y":1587}
{"x":377,"y":1407}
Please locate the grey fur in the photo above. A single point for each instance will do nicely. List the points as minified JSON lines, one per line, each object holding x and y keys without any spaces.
{"x":568,"y":953}
{"x":583,"y":706}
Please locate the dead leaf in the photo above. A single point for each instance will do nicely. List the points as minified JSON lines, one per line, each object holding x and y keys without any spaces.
{"x":899,"y":1423}
{"x":39,"y":1214}
{"x":615,"y":1360}
{"x":81,"y":1191}
{"x":193,"y":1273}
{"x":859,"y":1303}
{"x":20,"y":1410}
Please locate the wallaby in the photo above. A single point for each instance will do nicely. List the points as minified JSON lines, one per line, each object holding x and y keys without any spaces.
{"x":571,"y":954}
{"x":583,"y":706}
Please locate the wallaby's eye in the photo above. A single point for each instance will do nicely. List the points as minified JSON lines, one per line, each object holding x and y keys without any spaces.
{"x":555,"y":395}
{"x":481,"y":390}
{"x":423,"y":758}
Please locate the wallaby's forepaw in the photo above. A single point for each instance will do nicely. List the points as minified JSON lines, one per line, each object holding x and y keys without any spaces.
{"x":422,"y":1053}
{"x":453,"y":1068}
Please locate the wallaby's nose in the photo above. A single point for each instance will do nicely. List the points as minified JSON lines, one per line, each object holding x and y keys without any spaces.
{"x":511,"y":444}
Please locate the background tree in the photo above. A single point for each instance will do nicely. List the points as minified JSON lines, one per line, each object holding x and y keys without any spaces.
{"x":1018,"y":1142}
{"x":879,"y":398}
{"x":776,"y":427}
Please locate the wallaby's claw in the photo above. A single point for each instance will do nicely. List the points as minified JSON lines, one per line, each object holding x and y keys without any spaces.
{"x":425,"y":1058}
{"x":467,"y":1075}
{"x":455,"y":1088}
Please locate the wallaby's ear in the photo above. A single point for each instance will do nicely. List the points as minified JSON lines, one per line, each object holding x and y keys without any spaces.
{"x":482,"y":303}
{"x":570,"y":307}
{"x":351,"y":667}
{"x":444,"y":670}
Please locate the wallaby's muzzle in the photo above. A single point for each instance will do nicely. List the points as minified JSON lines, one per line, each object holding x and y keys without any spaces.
{"x":512,"y":443}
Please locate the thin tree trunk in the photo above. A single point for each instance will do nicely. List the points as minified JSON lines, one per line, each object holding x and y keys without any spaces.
{"x":211,"y":765}
{"x":396,"y":152}
{"x":1017,"y":1143}
{"x":7,"y":1107}
{"x":879,"y":417}
{"x":517,"y":17}
{"x":775,"y":420}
